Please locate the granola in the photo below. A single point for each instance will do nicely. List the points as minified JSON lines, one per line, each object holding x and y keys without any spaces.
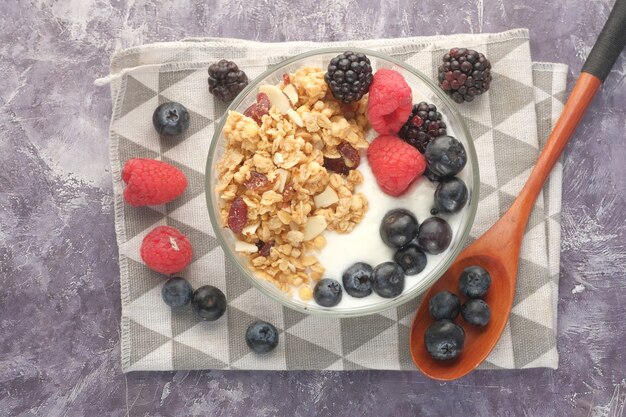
{"x":277,"y":168}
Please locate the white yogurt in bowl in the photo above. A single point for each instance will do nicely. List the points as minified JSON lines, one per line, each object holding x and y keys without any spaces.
{"x":364,"y":243}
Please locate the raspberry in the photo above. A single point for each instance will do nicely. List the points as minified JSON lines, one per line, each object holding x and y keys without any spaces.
{"x":390,"y":102}
{"x":166,"y":250}
{"x":395,"y":163}
{"x":151,"y":182}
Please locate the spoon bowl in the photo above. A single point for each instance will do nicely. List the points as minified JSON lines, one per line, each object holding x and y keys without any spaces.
{"x":479,"y":341}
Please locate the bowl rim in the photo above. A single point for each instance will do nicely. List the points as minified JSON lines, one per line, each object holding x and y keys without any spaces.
{"x":406,"y":296}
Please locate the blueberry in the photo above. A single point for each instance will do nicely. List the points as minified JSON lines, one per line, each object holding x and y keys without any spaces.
{"x":444,"y":305}
{"x":451,"y":195}
{"x":476,"y":312}
{"x":261,"y":337}
{"x":327,"y":292}
{"x":357,"y":280}
{"x":434,"y":235}
{"x":209,"y":302}
{"x":177,"y":292}
{"x":388,"y":280}
{"x":474,"y":282}
{"x":411,"y":258}
{"x":431,"y":175}
{"x":445,"y":156}
{"x":444,"y":340}
{"x":170,"y":119}
{"x":399,"y":227}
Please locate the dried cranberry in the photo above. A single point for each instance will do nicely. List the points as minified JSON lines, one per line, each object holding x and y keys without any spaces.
{"x":263,"y":102}
{"x":258,"y":109}
{"x":256,"y":181}
{"x":264,"y":247}
{"x":288,"y":194}
{"x":251,"y":111}
{"x":337,"y":165}
{"x":286,"y":79}
{"x":237,"y":215}
{"x":348,"y":111}
{"x":350,"y":155}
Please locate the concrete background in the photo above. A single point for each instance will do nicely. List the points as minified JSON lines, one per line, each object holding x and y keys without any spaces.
{"x":59,"y":297}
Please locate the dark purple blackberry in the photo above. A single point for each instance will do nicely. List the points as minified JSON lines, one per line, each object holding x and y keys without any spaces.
{"x":349,"y":76}
{"x":226,"y":80}
{"x":464,"y":74}
{"x":423,"y":124}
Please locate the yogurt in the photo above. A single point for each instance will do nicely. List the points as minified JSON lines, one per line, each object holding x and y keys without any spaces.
{"x":364,"y":243}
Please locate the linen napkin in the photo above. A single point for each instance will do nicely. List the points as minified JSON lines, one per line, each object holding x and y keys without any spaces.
{"x":509,"y":124}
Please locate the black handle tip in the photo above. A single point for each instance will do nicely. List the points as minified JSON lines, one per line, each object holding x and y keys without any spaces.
{"x":610,"y":43}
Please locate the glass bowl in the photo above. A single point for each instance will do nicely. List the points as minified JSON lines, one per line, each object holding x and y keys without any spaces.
{"x":423,"y":90}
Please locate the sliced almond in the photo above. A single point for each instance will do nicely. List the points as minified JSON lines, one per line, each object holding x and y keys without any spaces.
{"x":245,"y":247}
{"x":292,"y":93}
{"x":278,"y":158}
{"x":314,"y":226}
{"x":250,"y":229}
{"x":295,"y":117}
{"x":284,"y":217}
{"x":281,"y":180}
{"x":326,"y":198}
{"x":277,"y":98}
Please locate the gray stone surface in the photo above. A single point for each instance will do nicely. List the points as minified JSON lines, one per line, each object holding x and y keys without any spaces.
{"x":59,"y":303}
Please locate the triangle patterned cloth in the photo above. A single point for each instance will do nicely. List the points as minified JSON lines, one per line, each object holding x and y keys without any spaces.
{"x":509,"y":124}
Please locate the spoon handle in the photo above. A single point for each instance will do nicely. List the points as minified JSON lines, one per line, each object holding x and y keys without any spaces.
{"x":603,"y":55}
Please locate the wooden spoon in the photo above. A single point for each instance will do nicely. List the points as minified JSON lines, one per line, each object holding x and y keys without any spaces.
{"x":498,"y":249}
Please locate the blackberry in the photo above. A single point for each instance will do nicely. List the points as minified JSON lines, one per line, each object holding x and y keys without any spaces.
{"x":424,"y":123}
{"x":464,"y":74}
{"x":349,"y":76}
{"x":226,"y":80}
